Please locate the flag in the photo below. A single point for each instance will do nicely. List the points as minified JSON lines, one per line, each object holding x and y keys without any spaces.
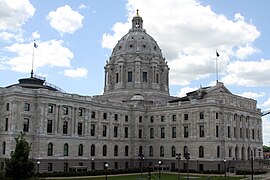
{"x":35,"y":45}
{"x":217,"y":54}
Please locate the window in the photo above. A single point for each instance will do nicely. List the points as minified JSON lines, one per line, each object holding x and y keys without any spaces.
{"x":201,"y":131}
{"x":185,"y":116}
{"x":218,"y":151}
{"x":216,"y":115}
{"x":157,"y":79}
{"x":151,"y":151}
{"x":185,"y":151}
{"x":201,"y":115}
{"x":104,"y":150}
{"x":93,"y":150}
{"x":144,"y":76}
{"x":162,"y":132}
{"x":185,"y":131}
{"x":93,"y":114}
{"x":247,"y":133}
{"x":162,"y":118}
{"x":253,"y":134}
{"x":65,"y":127}
{"x":4,"y":147}
{"x":129,"y":76}
{"x":152,"y":119}
{"x":126,"y":132}
{"x":161,"y":151}
{"x":50,"y":166}
{"x":140,"y":133}
{"x":126,"y":118}
{"x":80,"y":150}
{"x":151,"y":133}
{"x":234,"y":132}
{"x":65,"y":110}
{"x":50,"y":149}
{"x":126,"y":150}
{"x":6,"y":124}
{"x":26,"y":107}
{"x":104,"y":115}
{"x":115,"y":165}
{"x":50,"y":108}
{"x":92,"y":130}
{"x":230,"y":152}
{"x":25,"y":125}
{"x":49,"y":126}
{"x":117,"y":77}
{"x":80,"y":128}
{"x":173,"y":152}
{"x":115,"y":150}
{"x":241,"y":133}
{"x":7,"y":106}
{"x":104,"y":132}
{"x":126,"y":165}
{"x":65,"y":149}
{"x":201,"y":152}
{"x":65,"y":167}
{"x":115,"y":131}
{"x":217,"y":131}
{"x":80,"y":111}
{"x":140,"y":119}
{"x":140,"y":150}
{"x":173,"y":132}
{"x":174,"y":117}
{"x":116,"y":117}
{"x":229,"y":132}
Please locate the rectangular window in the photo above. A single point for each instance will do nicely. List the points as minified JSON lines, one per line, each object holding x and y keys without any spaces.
{"x":230,"y":152}
{"x":49,"y":126}
{"x":50,"y":166}
{"x":152,"y":119}
{"x":217,"y":131}
{"x":65,"y":127}
{"x":201,"y":131}
{"x":126,"y":132}
{"x":129,"y":76}
{"x":201,"y":115}
{"x":116,"y":117}
{"x":162,"y":132}
{"x":140,"y":119}
{"x":65,"y":111}
{"x":25,"y":125}
{"x":229,"y":132}
{"x":216,"y":115}
{"x":173,"y":132}
{"x":162,"y":118}
{"x":93,"y":114}
{"x":93,"y":129}
{"x":126,"y":118}
{"x":144,"y":76}
{"x":185,"y":131}
{"x":126,"y":165}
{"x":7,"y":106}
{"x":115,"y":131}
{"x":174,"y":117}
{"x":117,"y":77}
{"x":140,"y":133}
{"x":80,"y":128}
{"x":151,"y":133}
{"x":241,"y":133}
{"x":157,"y":79}
{"x":50,"y":108}
{"x":26,"y":107}
{"x":234,"y":132}
{"x":6,"y":125}
{"x":185,"y":116}
{"x":80,"y":111}
{"x":65,"y":167}
{"x":104,"y":132}
{"x":253,"y":134}
{"x":115,"y":165}
{"x":104,"y":115}
{"x":247,"y":133}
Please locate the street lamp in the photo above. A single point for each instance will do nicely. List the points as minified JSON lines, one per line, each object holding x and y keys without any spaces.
{"x":92,"y":164}
{"x":159,"y":164}
{"x":141,"y":159}
{"x":178,"y":157}
{"x":38,"y":163}
{"x":251,"y":158}
{"x":106,"y":167}
{"x":224,"y":166}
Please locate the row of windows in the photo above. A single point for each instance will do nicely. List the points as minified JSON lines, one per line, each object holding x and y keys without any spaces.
{"x":130,"y":77}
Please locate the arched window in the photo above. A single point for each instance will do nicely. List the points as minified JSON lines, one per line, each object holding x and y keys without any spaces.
{"x":115,"y":150}
{"x":140,"y":150}
{"x":161,"y":151}
{"x":66,"y":149}
{"x":104,"y":150}
{"x":201,"y":152}
{"x":50,"y":149}
{"x":242,"y":153}
{"x":151,"y":151}
{"x":173,"y":151}
{"x":80,"y":150}
{"x":93,"y":150}
{"x":126,"y":150}
{"x":4,"y":147}
{"x":218,"y":152}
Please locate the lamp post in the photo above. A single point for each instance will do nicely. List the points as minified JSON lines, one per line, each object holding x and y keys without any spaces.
{"x":106,"y":167}
{"x":178,"y":157}
{"x":38,"y":163}
{"x":159,"y":164}
{"x":141,"y":159}
{"x":187,"y":158}
{"x":251,"y":158}
{"x":224,"y":166}
{"x":92,"y":164}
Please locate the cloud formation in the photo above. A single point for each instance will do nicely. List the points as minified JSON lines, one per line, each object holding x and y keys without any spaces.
{"x":76,"y":73}
{"x":65,"y":20}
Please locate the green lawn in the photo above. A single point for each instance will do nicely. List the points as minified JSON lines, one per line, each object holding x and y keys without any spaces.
{"x":164,"y":176}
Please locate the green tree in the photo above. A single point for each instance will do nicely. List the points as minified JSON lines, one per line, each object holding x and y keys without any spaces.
{"x":19,"y":166}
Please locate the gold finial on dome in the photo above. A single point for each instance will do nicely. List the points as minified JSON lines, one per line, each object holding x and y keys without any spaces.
{"x":137,"y":12}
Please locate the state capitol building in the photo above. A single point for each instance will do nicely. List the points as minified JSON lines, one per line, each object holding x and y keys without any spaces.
{"x":135,"y":116}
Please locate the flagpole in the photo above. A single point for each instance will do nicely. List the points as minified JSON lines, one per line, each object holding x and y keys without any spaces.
{"x":33,"y":55}
{"x":217,"y":55}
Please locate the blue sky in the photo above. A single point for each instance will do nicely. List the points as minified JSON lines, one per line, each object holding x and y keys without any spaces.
{"x":75,"y":38}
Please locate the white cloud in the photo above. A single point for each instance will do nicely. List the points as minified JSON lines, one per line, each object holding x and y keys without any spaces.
{"x":267,"y":103}
{"x":35,"y":35}
{"x":248,"y":73}
{"x":252,"y":95}
{"x":50,"y":53}
{"x":189,"y":36}
{"x":266,"y":130}
{"x":65,"y":20}
{"x":183,"y":91}
{"x":246,"y":50}
{"x":83,"y":6}
{"x":76,"y":73}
